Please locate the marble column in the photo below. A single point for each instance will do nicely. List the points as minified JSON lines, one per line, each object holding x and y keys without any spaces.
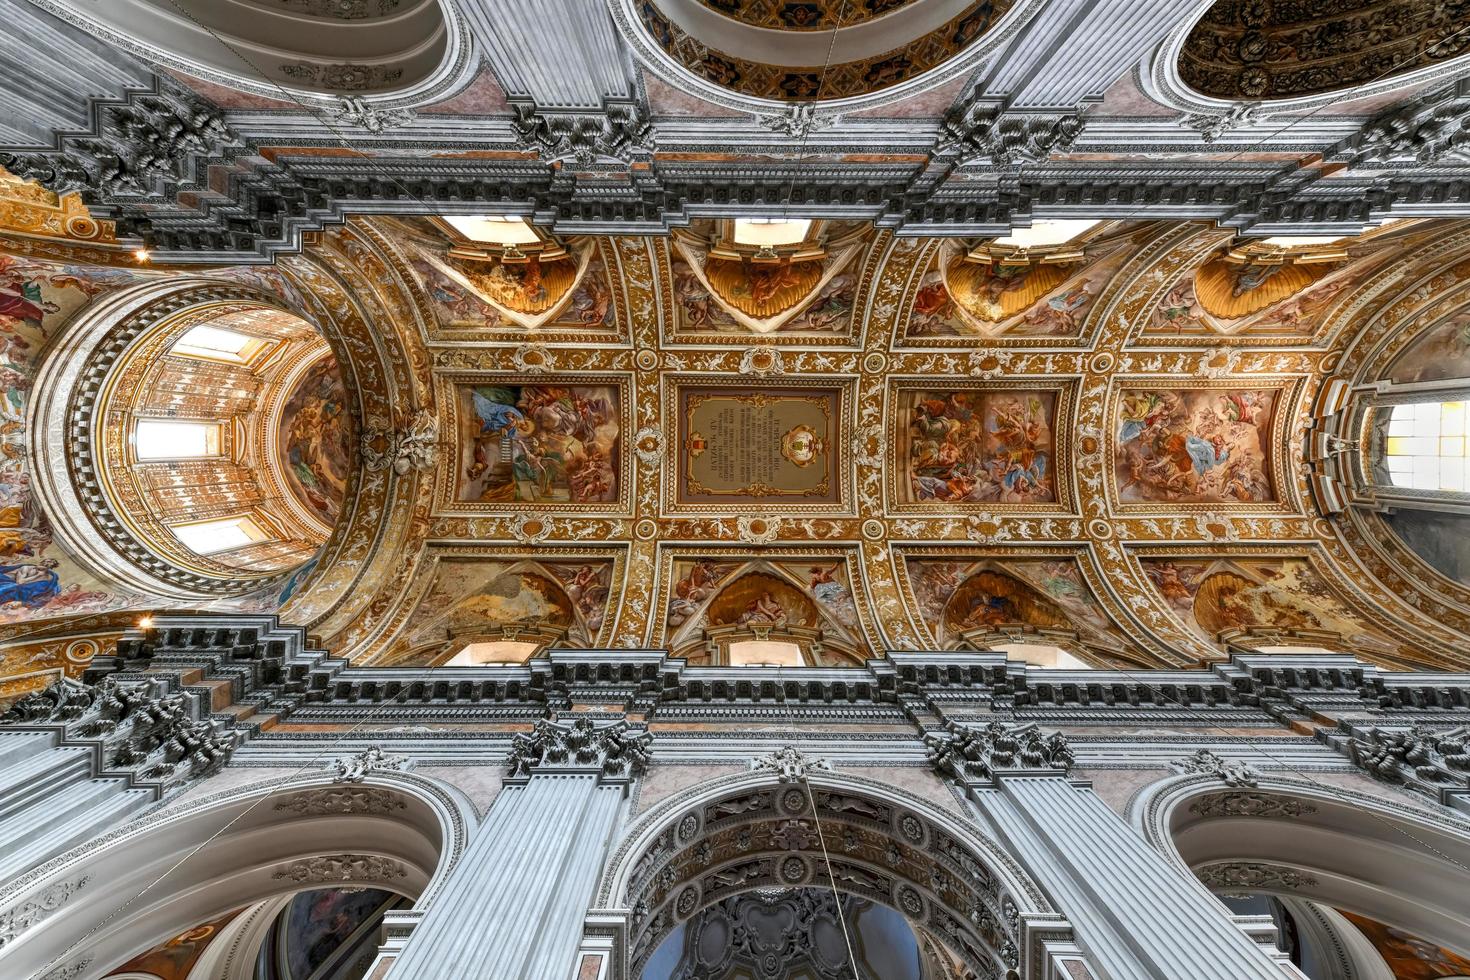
{"x":514,"y":904}
{"x":1136,"y":916}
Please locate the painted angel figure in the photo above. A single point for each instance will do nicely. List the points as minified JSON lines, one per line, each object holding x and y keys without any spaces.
{"x":1206,"y":453}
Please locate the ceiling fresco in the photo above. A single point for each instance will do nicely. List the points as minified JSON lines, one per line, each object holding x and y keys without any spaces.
{"x":1132,"y":498}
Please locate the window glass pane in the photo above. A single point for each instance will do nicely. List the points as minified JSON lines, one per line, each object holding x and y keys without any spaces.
{"x":222,"y":345}
{"x":1428,"y":446}
{"x":176,"y":440}
{"x":212,"y":537}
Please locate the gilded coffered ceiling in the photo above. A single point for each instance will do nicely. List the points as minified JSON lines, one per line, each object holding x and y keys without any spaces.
{"x":902,"y":448}
{"x":864,"y":443}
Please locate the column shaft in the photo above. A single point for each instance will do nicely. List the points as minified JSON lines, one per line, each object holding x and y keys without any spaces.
{"x":1138,"y":917}
{"x":513,"y":905}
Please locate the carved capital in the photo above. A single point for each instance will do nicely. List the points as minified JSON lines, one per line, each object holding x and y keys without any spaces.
{"x":969,"y":755}
{"x":1425,"y":131}
{"x":972,"y":130}
{"x":1426,"y":761}
{"x":622,"y":132}
{"x":614,"y":750}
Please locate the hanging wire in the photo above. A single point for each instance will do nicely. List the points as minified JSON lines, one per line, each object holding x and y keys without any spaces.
{"x":1258,"y":748}
{"x":817,"y":818}
{"x":329,"y":124}
{"x":308,"y":765}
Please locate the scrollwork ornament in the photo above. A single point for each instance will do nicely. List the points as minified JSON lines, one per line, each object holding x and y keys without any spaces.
{"x":648,"y":444}
{"x":1247,"y":877}
{"x":1206,"y":763}
{"x":356,"y":768}
{"x":757,"y":530}
{"x":761,"y":362}
{"x":531,"y":359}
{"x":1249,"y":805}
{"x":22,"y":916}
{"x":789,"y":765}
{"x":341,"y":868}
{"x":531,"y":528}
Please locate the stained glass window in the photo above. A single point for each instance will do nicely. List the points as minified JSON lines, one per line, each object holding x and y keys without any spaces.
{"x":1426,"y":446}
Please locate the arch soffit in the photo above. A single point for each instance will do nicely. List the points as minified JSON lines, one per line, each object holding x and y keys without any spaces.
{"x":91,"y":896}
{"x":1158,"y":77}
{"x":456,"y":70}
{"x":1020,"y":904}
{"x":1156,"y":809}
{"x":653,"y":57}
{"x":378,"y":340}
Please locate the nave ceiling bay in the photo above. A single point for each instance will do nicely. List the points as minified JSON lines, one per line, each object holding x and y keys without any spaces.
{"x":1100,"y":448}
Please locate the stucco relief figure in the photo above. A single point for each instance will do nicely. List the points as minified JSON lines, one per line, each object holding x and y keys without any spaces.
{"x":980,"y":446}
{"x":1195,"y":446}
{"x":539,"y":443}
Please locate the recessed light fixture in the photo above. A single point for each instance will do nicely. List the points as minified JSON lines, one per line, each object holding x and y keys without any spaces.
{"x":493,"y":229}
{"x":1045,"y":233}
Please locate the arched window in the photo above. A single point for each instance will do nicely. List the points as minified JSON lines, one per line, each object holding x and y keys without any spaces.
{"x":1425,"y":446}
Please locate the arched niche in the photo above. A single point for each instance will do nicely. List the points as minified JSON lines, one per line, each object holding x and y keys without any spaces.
{"x":403,"y":52}
{"x":737,"y":834}
{"x":100,"y":904}
{"x":1295,"y":839}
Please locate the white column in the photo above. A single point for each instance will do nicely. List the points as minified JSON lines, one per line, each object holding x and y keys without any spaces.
{"x":1136,"y":916}
{"x":513,"y":906}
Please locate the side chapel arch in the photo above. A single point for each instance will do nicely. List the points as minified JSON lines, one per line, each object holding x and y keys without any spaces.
{"x":1392,"y":862}
{"x":757,"y":830}
{"x":394,"y":831}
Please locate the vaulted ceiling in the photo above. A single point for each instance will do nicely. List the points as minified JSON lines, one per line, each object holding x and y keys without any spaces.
{"x":1101,"y":447}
